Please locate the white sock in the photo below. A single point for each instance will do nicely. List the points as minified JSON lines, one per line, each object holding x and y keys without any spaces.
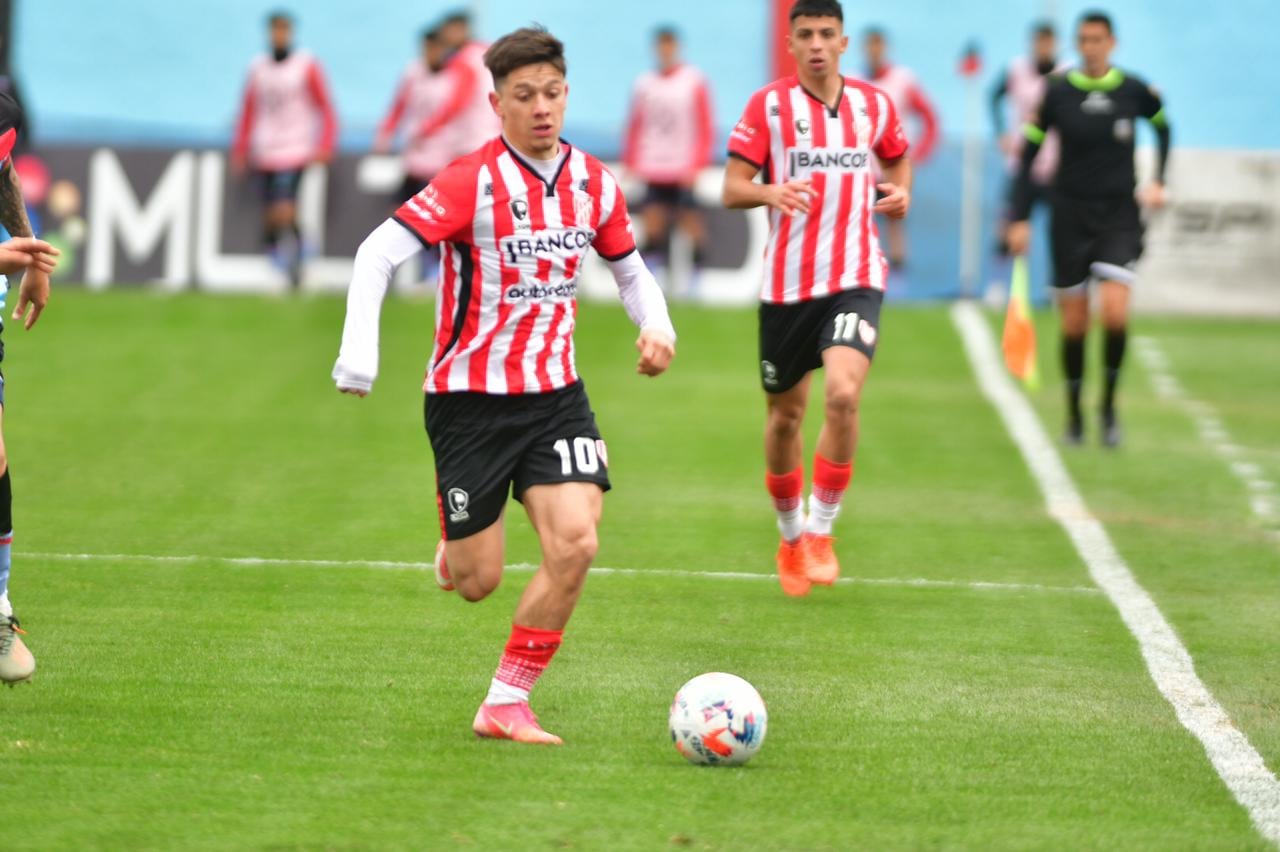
{"x":821,"y":515}
{"x":505,"y":693}
{"x":791,"y":523}
{"x":6,"y":609}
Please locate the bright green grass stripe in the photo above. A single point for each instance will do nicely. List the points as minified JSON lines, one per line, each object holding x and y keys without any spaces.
{"x":1182,"y":519}
{"x":217,"y":707}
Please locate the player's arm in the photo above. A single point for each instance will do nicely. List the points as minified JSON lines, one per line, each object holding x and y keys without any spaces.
{"x":705,"y":146}
{"x":319,"y":90}
{"x":34,"y":292}
{"x":377,"y":259}
{"x":1018,"y":234}
{"x":244,"y":130}
{"x":895,"y":167}
{"x":647,"y":307}
{"x":996,"y":103}
{"x":391,"y":122}
{"x":929,"y":126}
{"x":741,"y":192}
{"x":1153,"y":110}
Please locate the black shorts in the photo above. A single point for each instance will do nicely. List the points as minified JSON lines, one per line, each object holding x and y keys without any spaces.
{"x":793,"y":337}
{"x":410,"y":187}
{"x":670,"y":195}
{"x":280,"y":185}
{"x":1094,"y":239}
{"x":488,"y":446}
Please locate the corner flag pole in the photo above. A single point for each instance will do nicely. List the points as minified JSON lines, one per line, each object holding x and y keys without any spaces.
{"x":971,"y":174}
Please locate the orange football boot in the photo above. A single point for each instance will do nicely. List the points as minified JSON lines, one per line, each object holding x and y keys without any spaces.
{"x":821,"y":564}
{"x":511,"y":722}
{"x":791,"y":568}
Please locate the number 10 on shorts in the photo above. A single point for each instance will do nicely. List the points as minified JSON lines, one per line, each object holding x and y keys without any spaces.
{"x":846,"y":327}
{"x":586,"y":456}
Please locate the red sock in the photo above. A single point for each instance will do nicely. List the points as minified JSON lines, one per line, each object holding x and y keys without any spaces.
{"x":830,"y":479}
{"x":528,"y":652}
{"x":786,"y":490}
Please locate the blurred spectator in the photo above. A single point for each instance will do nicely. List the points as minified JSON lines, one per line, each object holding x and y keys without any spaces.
{"x":423,"y":89}
{"x":286,"y":123}
{"x":909,"y":99}
{"x":466,"y":120}
{"x":1022,"y":84}
{"x":669,"y":139}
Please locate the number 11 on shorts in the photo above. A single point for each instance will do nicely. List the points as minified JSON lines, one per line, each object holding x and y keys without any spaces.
{"x":586,"y":455}
{"x":846,"y":327}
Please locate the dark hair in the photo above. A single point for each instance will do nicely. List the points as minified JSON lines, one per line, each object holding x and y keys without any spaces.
{"x":666,"y":32}
{"x":431,"y":34}
{"x":1096,"y":17}
{"x":1044,"y":29}
{"x":279,"y":16}
{"x":876,"y":32}
{"x":817,"y":9}
{"x":526,"y":46}
{"x":457,"y":16}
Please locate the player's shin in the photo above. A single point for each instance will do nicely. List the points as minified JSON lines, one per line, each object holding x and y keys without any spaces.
{"x":1073,"y":371}
{"x":787,"y":492}
{"x":6,"y":541}
{"x":528,"y":653}
{"x":830,"y":480}
{"x":1114,"y":345}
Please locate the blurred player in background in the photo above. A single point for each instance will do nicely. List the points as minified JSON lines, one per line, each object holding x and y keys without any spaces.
{"x":286,"y":123}
{"x":22,"y":253}
{"x":422,"y":90}
{"x":465,"y":119}
{"x":505,"y":409}
{"x":814,"y":135}
{"x":1019,"y":91}
{"x":669,"y":140}
{"x":909,"y":99}
{"x":1097,"y":228}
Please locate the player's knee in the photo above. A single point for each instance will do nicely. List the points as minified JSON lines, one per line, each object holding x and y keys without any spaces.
{"x":842,"y":401}
{"x":570,"y":553}
{"x":477,"y":586}
{"x":785,"y":420}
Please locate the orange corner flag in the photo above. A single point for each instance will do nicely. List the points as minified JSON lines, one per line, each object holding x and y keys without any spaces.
{"x":1019,"y":340}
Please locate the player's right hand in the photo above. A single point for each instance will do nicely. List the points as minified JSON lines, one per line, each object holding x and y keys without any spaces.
{"x":22,"y":253}
{"x":1017,"y":237}
{"x":791,"y":197}
{"x":351,"y":383}
{"x":656,"y":351}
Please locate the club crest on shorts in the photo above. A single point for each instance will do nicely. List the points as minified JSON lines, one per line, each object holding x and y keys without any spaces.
{"x":867,"y":332}
{"x":768,"y":372}
{"x":459,"y":500}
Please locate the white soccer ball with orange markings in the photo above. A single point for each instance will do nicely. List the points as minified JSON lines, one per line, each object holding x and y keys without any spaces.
{"x":718,"y":719}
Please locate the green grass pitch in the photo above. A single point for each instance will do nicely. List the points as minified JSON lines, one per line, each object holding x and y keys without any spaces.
{"x":204,"y":704}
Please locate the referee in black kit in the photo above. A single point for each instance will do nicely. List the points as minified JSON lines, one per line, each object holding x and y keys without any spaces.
{"x":1096,"y":233}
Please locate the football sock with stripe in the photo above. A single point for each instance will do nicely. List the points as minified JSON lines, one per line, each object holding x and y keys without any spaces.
{"x":526,"y":657}
{"x":6,"y":539}
{"x":830,"y":480}
{"x":787,"y":490}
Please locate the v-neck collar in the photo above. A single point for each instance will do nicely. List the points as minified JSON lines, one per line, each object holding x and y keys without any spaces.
{"x":528,"y":167}
{"x":833,"y":111}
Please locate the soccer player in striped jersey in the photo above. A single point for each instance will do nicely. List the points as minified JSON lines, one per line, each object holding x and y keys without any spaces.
{"x":670,"y":136}
{"x":287,"y":122}
{"x":36,"y":259}
{"x":813,"y":135}
{"x":506,"y":411}
{"x":1096,"y":233}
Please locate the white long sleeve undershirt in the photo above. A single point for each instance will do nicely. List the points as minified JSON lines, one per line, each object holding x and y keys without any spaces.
{"x":391,"y":244}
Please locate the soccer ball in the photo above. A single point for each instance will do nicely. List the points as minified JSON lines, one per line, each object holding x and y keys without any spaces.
{"x":718,"y":719}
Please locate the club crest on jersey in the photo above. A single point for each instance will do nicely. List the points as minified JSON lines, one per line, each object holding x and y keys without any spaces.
{"x":459,"y":500}
{"x":583,"y":209}
{"x":520,"y":213}
{"x":1123,"y":129}
{"x":802,"y":126}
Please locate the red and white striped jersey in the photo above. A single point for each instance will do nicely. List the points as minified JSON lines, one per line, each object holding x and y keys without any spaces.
{"x":791,"y":135}
{"x":286,"y":117}
{"x":670,"y":131}
{"x":465,"y":119}
{"x":903,"y":88}
{"x":512,"y":247}
{"x":421,"y":93}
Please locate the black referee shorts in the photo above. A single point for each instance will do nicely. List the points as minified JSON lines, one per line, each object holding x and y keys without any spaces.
{"x":487,"y":446}
{"x":1094,"y":239}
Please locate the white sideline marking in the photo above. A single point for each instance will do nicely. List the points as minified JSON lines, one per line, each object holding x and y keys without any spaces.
{"x":915,"y":582}
{"x":1171,"y":667}
{"x":1262,"y":491}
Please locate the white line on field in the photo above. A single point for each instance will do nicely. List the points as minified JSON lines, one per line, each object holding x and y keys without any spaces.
{"x":250,"y":561}
{"x":1237,"y":762}
{"x":1262,"y":491}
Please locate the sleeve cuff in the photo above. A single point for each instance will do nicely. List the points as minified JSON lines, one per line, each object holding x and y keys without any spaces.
{"x":744,"y":158}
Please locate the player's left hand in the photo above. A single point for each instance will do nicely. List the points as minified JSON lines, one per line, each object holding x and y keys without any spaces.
{"x":656,"y":351}
{"x":1152,"y":196}
{"x":896,"y":201}
{"x":33,"y":294}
